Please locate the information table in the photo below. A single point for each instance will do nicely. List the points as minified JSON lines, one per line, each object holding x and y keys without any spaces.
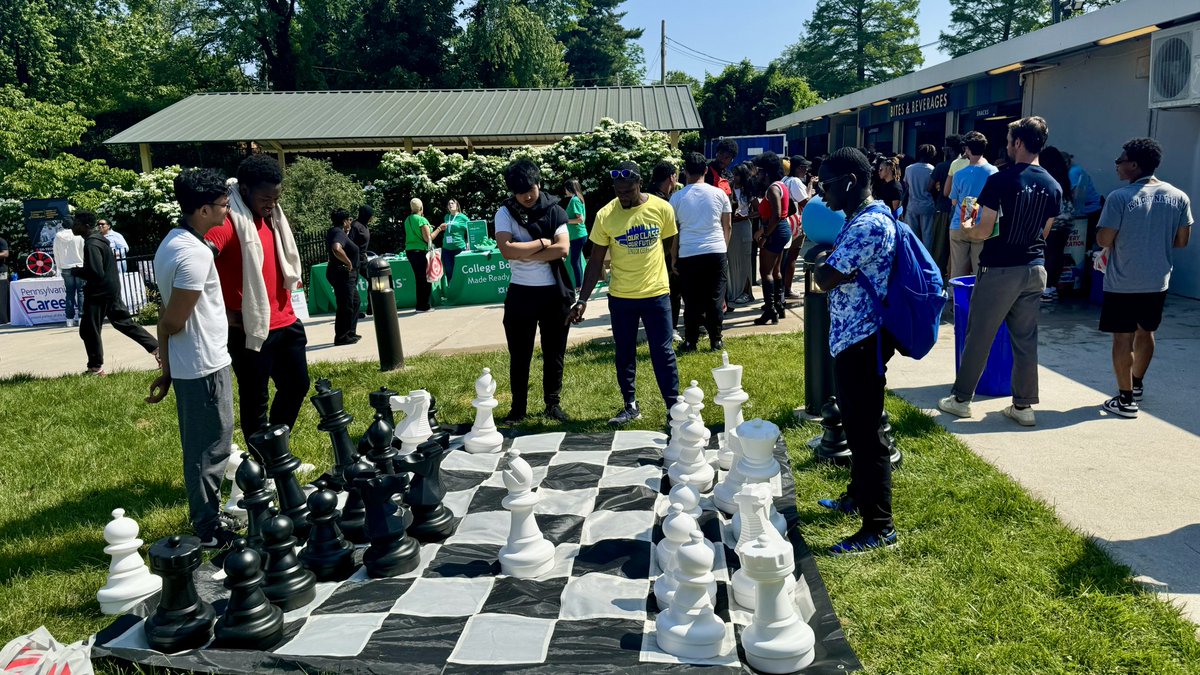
{"x":479,"y":278}
{"x":404,"y":285}
{"x":33,"y":302}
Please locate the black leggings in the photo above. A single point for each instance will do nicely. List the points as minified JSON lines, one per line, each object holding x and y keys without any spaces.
{"x":420,"y":265}
{"x":528,"y":309}
{"x":703,"y":278}
{"x":860,"y":396}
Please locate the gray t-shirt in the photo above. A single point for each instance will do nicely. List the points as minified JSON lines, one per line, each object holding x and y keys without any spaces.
{"x":1146,"y":215}
{"x":183,"y":261}
{"x":917,"y":177}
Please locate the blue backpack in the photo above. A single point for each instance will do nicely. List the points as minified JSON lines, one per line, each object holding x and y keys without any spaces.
{"x":912,"y":304}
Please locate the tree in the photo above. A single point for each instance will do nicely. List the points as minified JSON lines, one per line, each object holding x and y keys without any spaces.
{"x":680,"y":77}
{"x":975,"y":24}
{"x":259,"y":31}
{"x":850,"y":44}
{"x":34,"y":129}
{"x":509,"y":46}
{"x":313,"y":190}
{"x":401,"y":44}
{"x":600,"y":51}
{"x":740,"y":99}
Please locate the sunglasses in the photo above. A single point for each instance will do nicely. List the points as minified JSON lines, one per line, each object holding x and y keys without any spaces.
{"x":624,"y":174}
{"x":826,"y":183}
{"x":226,"y":205}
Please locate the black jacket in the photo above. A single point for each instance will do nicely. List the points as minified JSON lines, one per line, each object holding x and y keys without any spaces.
{"x":542,"y":221}
{"x":99,"y":268}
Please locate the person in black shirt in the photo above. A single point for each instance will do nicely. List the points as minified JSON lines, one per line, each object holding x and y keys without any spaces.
{"x":342,"y":274}
{"x":4,"y":256}
{"x":361,"y":236}
{"x":886,"y":187}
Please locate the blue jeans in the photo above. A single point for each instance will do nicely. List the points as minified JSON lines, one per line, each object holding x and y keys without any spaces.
{"x":576,"y":258}
{"x":448,"y":262}
{"x":655,"y":316}
{"x":74,"y":288}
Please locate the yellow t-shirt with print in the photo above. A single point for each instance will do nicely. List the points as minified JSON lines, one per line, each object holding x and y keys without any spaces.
{"x":634,"y":239}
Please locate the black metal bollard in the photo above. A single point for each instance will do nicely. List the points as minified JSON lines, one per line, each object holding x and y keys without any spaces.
{"x":818,"y":363}
{"x":387,"y":323}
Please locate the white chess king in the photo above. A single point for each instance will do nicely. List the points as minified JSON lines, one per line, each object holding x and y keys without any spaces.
{"x":483,"y":436}
{"x":731,"y":397}
{"x":527,"y":553}
{"x":129,"y":580}
{"x":414,"y":429}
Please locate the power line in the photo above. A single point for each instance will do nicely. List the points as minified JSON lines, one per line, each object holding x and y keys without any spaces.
{"x":708,"y":56}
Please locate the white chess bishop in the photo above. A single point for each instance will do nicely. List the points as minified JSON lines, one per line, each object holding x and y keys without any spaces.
{"x":679,"y":416}
{"x":777,"y":640}
{"x":235,"y":492}
{"x":414,"y":429}
{"x":527,"y":553}
{"x":483,"y":436}
{"x":731,"y":397}
{"x":677,"y":531}
{"x":129,"y":580}
{"x":692,"y":462}
{"x":689,"y":628}
{"x":754,"y":504}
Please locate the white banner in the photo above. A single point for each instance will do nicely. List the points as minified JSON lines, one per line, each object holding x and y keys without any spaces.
{"x":37,"y":301}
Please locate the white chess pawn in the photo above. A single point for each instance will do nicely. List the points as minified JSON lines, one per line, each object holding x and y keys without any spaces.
{"x":777,"y":640}
{"x":679,"y":416}
{"x":235,"y":492}
{"x":129,"y":580}
{"x":686,"y":495}
{"x":754,"y":508}
{"x":677,"y":530}
{"x":689,"y":628}
{"x":692,"y":462}
{"x":414,"y":429}
{"x":483,"y":436}
{"x":527,"y":553}
{"x":694,"y":397}
{"x":731,"y":397}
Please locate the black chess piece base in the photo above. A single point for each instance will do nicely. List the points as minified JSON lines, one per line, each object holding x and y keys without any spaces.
{"x":390,"y":557}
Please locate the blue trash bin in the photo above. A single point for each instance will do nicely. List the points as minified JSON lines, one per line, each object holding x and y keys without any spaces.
{"x":997,"y":372}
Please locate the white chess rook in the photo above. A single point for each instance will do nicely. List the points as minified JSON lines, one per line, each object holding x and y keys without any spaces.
{"x":527,"y":553}
{"x":679,"y":415}
{"x":777,"y":640}
{"x":129,"y":580}
{"x":677,"y":530}
{"x":483,"y":436}
{"x":689,"y":628}
{"x":731,"y":397}
{"x":414,"y":429}
{"x":235,"y":492}
{"x":754,"y":512}
{"x":692,"y":461}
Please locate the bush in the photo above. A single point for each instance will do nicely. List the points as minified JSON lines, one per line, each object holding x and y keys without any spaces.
{"x":312,"y":190}
{"x":146,"y":210}
{"x":12,"y":229}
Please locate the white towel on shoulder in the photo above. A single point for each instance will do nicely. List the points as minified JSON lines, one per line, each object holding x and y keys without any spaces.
{"x":256,"y":310}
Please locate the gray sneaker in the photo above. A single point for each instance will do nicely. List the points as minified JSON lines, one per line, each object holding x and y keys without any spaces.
{"x":627,"y":415}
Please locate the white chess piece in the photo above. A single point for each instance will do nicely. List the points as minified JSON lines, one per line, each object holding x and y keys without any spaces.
{"x":483,"y":436}
{"x":731,"y":480}
{"x":777,"y":640}
{"x":414,"y":429}
{"x":754,"y":508}
{"x":679,"y":416}
{"x":757,"y":463}
{"x":235,"y":492}
{"x":731,"y":397}
{"x":692,"y":461}
{"x":694,"y":397}
{"x":527,"y":553}
{"x":677,"y":530}
{"x":129,"y":580}
{"x":686,"y":495}
{"x":689,"y":628}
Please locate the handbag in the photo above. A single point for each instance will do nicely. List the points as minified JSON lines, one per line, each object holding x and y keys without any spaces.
{"x":433,"y":270}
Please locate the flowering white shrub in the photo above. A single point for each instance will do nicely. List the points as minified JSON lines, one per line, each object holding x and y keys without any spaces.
{"x":145,"y":212}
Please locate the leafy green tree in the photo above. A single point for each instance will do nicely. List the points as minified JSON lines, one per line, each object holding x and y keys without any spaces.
{"x":680,"y":77}
{"x":509,"y":46}
{"x":740,"y":99}
{"x":395,"y":44}
{"x":850,"y":44}
{"x":975,"y":24}
{"x":600,"y":51}
{"x":312,"y":190}
{"x":31,"y":129}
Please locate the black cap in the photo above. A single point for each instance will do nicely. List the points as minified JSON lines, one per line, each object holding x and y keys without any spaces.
{"x":800,"y":160}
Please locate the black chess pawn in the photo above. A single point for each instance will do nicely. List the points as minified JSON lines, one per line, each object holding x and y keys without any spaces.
{"x":182,"y":621}
{"x":353,"y":521}
{"x":433,"y":411}
{"x":381,"y":402}
{"x":377,"y":444}
{"x":392,"y":551}
{"x":289,"y":585}
{"x":335,"y":421}
{"x":833,"y":446}
{"x":281,"y":464}
{"x":256,"y":500}
{"x":889,"y":441}
{"x":327,"y":554}
{"x":250,"y":620}
{"x":432,"y":521}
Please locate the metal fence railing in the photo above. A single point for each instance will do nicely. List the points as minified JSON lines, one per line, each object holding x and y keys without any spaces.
{"x":138,"y":284}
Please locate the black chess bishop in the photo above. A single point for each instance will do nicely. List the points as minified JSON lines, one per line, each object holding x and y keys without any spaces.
{"x":272,"y":445}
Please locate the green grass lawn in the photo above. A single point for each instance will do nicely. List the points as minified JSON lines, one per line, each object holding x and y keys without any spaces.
{"x":986,"y":579}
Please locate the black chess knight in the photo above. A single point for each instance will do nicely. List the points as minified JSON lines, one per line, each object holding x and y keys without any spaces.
{"x":432,"y":521}
{"x":272,"y":445}
{"x":182,"y":621}
{"x":392,"y":551}
{"x":335,"y":421}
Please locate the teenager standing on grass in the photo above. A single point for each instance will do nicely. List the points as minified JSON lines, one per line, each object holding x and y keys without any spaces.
{"x":193,"y":332}
{"x":1142,"y":223}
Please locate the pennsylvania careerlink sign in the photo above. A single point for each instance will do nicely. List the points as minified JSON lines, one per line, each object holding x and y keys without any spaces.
{"x":920,"y":106}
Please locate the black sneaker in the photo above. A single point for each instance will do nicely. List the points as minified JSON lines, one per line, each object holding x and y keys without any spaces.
{"x":555,"y":412}
{"x":687,"y":347}
{"x":717,"y":345}
{"x":1137,"y":393}
{"x":219,"y":539}
{"x":1115,"y":406}
{"x":627,"y":415}
{"x":513,"y":418}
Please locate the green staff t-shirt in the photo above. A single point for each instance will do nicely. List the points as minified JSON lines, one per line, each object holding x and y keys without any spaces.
{"x":576,"y":209}
{"x":413,"y":241}
{"x":455,"y":238}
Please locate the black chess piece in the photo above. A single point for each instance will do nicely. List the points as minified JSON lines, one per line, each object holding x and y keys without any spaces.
{"x":432,"y":521}
{"x":833,"y":446}
{"x":335,"y":421}
{"x":889,"y":441}
{"x":281,"y":464}
{"x":327,"y":554}
{"x":255,"y":499}
{"x":353,"y":521}
{"x":250,"y":620}
{"x":377,"y":445}
{"x":433,"y":411}
{"x":289,"y":585}
{"x":392,"y":551}
{"x":381,"y":402}
{"x":182,"y":621}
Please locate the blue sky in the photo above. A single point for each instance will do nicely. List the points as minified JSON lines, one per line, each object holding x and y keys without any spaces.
{"x":754,"y":29}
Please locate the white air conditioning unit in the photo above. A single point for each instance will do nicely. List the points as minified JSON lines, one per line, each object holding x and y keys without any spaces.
{"x":1175,"y":67}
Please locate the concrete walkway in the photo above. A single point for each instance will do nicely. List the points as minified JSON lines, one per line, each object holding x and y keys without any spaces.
{"x":1132,"y":484}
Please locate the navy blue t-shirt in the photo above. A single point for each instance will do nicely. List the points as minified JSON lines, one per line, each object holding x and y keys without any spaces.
{"x":1025,"y":197}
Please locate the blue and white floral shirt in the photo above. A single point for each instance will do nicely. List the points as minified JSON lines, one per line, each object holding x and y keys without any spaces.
{"x":866,"y":245}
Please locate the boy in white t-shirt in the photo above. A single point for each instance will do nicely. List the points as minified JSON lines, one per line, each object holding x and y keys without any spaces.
{"x":193,"y":333}
{"x":703,"y":215}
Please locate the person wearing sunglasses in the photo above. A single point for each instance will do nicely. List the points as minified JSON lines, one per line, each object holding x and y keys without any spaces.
{"x":636,"y":228}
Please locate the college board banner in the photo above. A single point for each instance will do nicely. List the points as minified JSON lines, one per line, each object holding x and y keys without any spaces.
{"x":43,"y":220}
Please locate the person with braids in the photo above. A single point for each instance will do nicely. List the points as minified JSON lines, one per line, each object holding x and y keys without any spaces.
{"x":773,"y":234}
{"x":259,"y":267}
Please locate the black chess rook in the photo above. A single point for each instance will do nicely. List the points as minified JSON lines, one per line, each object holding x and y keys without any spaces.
{"x":250,"y":620}
{"x":182,"y":621}
{"x":288,"y":584}
{"x":392,"y":551}
{"x":432,"y":521}
{"x":328,"y":555}
{"x":272,"y":445}
{"x":335,"y":421}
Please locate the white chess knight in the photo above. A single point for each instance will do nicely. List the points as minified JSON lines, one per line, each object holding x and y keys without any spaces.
{"x":731,"y":397}
{"x":679,"y":416}
{"x":692,"y":462}
{"x":527,"y":553}
{"x":754,"y":507}
{"x":677,"y":531}
{"x":689,"y":628}
{"x":777,"y":640}
{"x":129,"y":580}
{"x":414,"y":429}
{"x":483,"y":436}
{"x":757,"y":463}
{"x":235,"y":492}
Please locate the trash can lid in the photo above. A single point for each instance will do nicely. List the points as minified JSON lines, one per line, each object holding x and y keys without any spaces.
{"x":964,"y":282}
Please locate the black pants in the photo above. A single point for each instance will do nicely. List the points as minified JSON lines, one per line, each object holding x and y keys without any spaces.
{"x":420,"y":265}
{"x":98,"y":308}
{"x":1056,"y":245}
{"x":703,"y":279}
{"x":860,"y":397}
{"x":345,"y":294}
{"x":281,"y":360}
{"x":526,"y":310}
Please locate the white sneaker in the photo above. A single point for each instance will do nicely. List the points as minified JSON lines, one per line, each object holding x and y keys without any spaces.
{"x":1022,"y":417}
{"x":955,"y":407}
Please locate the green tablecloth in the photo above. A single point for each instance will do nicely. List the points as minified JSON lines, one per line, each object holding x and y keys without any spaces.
{"x":320,"y":295}
{"x":479,"y":278}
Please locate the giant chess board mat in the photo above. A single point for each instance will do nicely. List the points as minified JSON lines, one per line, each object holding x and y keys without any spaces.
{"x":602,"y":499}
